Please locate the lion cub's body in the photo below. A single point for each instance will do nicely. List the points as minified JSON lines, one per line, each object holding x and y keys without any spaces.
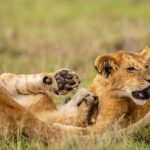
{"x":121,"y":74}
{"x":28,"y":91}
{"x":14,"y":119}
{"x":27,"y":99}
{"x":26,"y":106}
{"x":113,"y":108}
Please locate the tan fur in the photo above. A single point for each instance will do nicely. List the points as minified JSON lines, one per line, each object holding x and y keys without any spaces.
{"x":114,"y":86}
{"x":30,"y":91}
{"x":80,"y":111}
{"x":34,"y":96}
{"x":44,"y":103}
{"x":15,"y":119}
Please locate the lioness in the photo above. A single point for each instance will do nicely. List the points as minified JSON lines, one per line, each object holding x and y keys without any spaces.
{"x":123,"y":87}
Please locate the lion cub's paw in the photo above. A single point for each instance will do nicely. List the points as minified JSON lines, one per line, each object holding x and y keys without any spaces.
{"x":88,"y":100}
{"x":87,"y":104}
{"x":67,"y":80}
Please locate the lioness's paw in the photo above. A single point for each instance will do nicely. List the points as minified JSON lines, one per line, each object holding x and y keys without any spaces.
{"x":66,"y":80}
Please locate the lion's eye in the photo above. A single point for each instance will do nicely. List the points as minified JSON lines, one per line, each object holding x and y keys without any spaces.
{"x":131,"y":69}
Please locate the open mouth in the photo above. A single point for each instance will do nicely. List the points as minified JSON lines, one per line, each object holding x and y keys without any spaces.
{"x":142,"y":95}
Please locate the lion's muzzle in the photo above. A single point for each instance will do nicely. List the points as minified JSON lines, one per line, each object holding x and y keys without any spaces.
{"x":143,"y":94}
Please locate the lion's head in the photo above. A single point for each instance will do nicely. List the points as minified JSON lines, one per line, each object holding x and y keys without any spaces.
{"x":127,"y":74}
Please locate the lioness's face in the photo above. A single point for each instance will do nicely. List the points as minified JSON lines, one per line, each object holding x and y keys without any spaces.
{"x":127,"y":73}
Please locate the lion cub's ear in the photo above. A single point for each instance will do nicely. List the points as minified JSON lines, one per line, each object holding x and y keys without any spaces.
{"x":106,"y":65}
{"x":145,"y":53}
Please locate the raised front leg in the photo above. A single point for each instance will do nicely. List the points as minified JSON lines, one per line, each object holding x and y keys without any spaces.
{"x":60,"y":82}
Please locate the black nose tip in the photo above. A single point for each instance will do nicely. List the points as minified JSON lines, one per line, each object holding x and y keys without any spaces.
{"x":95,"y":98}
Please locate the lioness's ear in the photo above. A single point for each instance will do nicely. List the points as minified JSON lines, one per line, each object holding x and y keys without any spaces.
{"x":106,"y":65}
{"x":145,"y":53}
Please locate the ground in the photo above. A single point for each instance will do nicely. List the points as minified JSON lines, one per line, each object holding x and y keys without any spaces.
{"x":37,"y":36}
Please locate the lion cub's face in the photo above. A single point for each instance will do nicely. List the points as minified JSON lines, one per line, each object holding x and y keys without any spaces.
{"x":127,"y":74}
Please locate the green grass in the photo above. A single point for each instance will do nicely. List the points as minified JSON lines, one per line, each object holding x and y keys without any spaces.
{"x":107,"y":141}
{"x":41,"y":36}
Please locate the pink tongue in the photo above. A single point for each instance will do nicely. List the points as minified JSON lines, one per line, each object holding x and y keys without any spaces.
{"x":141,"y":95}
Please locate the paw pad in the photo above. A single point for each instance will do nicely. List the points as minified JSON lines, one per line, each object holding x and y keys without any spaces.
{"x":66,"y":81}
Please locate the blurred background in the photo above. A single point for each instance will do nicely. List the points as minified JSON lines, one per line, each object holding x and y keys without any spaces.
{"x":45,"y":35}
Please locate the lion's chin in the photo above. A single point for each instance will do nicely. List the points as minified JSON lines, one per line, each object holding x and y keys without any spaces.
{"x":139,"y":101}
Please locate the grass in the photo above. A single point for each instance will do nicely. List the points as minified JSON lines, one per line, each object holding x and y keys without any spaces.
{"x":41,"y":36}
{"x":107,"y":141}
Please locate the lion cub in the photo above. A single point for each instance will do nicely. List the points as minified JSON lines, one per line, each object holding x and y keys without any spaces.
{"x":33,"y":93}
{"x":123,"y":86}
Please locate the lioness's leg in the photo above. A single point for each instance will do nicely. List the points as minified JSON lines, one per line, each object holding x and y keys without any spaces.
{"x":14,"y":117}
